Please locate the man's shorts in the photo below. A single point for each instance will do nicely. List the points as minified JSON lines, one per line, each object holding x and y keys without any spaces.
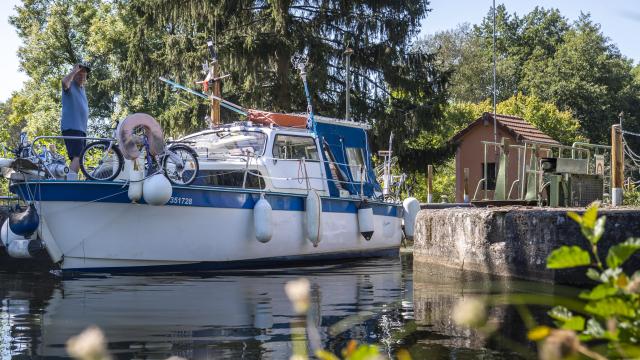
{"x":74,"y":146}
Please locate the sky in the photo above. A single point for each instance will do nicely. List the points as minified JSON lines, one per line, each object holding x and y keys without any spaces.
{"x":619,"y":20}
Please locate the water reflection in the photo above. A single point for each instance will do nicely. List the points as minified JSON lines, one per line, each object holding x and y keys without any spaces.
{"x":203,"y":316}
{"x":239,"y":315}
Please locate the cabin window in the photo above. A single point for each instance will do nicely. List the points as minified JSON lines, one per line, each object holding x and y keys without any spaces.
{"x":230,"y":178}
{"x":291,"y":147}
{"x":223,"y":143}
{"x":355,"y":159}
{"x":491,"y":175}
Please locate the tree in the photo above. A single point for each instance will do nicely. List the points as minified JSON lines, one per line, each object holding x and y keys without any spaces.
{"x":588,"y":75}
{"x":55,"y":36}
{"x":132,"y":43}
{"x":541,"y":54}
{"x":461,"y":53}
{"x":256,"y":41}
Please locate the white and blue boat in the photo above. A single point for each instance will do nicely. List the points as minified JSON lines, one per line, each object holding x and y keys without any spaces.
{"x":265,"y":195}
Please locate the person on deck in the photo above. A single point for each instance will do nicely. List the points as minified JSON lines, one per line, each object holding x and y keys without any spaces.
{"x":75,"y":115}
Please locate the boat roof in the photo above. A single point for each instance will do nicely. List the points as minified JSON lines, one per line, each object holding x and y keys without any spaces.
{"x":299,"y":120}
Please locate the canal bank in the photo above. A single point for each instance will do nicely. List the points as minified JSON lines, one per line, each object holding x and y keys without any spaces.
{"x":512,"y":241}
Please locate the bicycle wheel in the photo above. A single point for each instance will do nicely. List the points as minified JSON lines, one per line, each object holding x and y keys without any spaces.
{"x":101,"y":160}
{"x":180,"y":165}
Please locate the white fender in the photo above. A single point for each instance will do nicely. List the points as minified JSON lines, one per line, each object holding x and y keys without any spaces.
{"x":135,"y":181}
{"x":313,"y":211}
{"x":19,"y":249}
{"x":262,"y":222}
{"x":411,"y":207}
{"x":156,"y":190}
{"x":6,"y":162}
{"x":7,"y":235}
{"x":365,"y":221}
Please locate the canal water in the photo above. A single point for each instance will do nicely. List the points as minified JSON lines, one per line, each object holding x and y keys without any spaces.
{"x":246,"y":314}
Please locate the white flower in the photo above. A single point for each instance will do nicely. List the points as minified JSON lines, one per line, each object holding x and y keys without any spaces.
{"x":470,"y":312}
{"x":89,"y":345}
{"x":298,"y":293}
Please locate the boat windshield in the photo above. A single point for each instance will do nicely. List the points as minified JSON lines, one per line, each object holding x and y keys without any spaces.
{"x":228,"y":143}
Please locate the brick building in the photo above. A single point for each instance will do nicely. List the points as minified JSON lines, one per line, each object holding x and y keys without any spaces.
{"x":470,"y":153}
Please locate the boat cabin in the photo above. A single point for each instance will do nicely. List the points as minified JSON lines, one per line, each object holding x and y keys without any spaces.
{"x":334,"y":160}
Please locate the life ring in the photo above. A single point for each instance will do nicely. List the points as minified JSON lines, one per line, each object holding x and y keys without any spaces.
{"x":129,"y":142}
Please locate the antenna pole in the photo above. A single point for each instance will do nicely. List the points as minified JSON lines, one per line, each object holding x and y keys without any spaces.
{"x":495,"y":124}
{"x":347,"y":54}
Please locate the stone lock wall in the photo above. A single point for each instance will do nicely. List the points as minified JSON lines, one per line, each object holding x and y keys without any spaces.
{"x":512,"y":241}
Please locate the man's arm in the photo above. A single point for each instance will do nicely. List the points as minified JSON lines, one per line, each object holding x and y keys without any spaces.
{"x":66,"y":81}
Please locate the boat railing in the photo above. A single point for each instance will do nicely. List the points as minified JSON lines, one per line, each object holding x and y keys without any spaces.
{"x":251,"y":166}
{"x":62,"y":137}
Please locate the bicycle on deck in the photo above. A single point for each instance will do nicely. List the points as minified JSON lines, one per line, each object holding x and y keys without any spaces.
{"x":103,"y":160}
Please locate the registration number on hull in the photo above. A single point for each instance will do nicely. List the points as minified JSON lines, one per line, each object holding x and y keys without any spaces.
{"x":176,"y":200}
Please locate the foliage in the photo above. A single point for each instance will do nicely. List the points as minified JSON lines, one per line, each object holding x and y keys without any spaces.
{"x":612,"y":306}
{"x":631,"y":196}
{"x":56,"y":35}
{"x":444,"y":182}
{"x":546,"y":116}
{"x":541,"y":54}
{"x":597,"y":81}
{"x":10,"y":126}
{"x":130,"y":44}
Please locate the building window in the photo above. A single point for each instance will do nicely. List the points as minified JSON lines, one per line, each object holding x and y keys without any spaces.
{"x":491,"y":175}
{"x":291,"y":147}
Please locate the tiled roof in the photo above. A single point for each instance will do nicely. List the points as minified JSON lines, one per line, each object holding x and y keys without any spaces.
{"x":517,"y":126}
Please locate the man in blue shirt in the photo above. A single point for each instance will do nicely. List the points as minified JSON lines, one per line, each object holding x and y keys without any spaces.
{"x":75,"y":114}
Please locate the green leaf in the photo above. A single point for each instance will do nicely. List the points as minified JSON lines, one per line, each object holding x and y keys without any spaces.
{"x":619,"y":253}
{"x":609,"y":307}
{"x":589,"y":217}
{"x":598,"y":229}
{"x":574,"y":323}
{"x":599,"y":292}
{"x":568,"y":257}
{"x":593,"y":274}
{"x":575,"y":217}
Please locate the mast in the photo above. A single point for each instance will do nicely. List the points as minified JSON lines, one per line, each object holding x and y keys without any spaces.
{"x":347,"y":54}
{"x":214,"y":77}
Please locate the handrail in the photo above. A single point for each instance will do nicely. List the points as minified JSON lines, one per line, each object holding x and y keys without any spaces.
{"x":511,"y":189}
{"x":475,"y":194}
{"x":38,"y":138}
{"x":585,"y":144}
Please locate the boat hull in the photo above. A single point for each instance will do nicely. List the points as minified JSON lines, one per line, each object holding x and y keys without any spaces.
{"x":96,"y":228}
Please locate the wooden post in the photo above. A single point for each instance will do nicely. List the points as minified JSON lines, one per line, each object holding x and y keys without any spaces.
{"x":465,"y":182}
{"x":617,"y":165}
{"x":429,"y":184}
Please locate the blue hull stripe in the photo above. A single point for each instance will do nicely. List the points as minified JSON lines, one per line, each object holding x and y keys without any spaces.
{"x":116,"y":192}
{"x":274,"y":262}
